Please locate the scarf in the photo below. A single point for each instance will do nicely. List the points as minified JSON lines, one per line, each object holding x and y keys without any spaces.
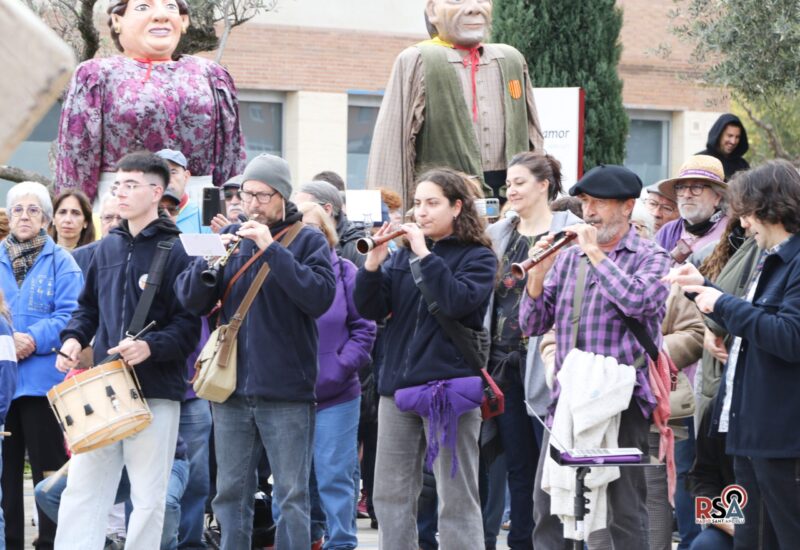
{"x":23,"y":254}
{"x":290,"y":215}
{"x":701,"y":228}
{"x":472,"y":60}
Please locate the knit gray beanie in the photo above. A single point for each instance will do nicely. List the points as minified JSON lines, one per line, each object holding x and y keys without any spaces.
{"x":325,"y":193}
{"x":272,"y":170}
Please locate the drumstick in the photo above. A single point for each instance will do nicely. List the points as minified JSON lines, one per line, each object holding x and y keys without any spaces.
{"x":5,"y":434}
{"x":61,"y":353}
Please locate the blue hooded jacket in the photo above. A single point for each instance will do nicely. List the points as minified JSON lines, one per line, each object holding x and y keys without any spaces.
{"x":41,"y":308}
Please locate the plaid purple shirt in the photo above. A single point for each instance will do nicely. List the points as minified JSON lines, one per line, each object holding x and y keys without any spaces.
{"x":631,"y":280}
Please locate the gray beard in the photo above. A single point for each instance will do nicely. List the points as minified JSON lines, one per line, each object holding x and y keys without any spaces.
{"x":608,"y":233}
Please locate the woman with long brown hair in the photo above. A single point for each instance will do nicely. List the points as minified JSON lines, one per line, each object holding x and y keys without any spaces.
{"x":72,"y":220}
{"x":427,"y":388}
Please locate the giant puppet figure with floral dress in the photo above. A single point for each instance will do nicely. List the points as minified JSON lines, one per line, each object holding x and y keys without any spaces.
{"x":454,"y":101}
{"x":148,"y":98}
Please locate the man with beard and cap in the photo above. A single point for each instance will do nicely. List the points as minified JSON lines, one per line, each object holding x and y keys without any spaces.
{"x":273,"y":405}
{"x":327,"y":196}
{"x":700,"y":191}
{"x":622,"y":277}
{"x":454,"y":101}
{"x":727,"y":141}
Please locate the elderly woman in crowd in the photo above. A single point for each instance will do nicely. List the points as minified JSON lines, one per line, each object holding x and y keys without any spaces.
{"x":41,"y":283}
{"x":148,"y":98}
{"x":72,"y":220}
{"x":345,"y":343}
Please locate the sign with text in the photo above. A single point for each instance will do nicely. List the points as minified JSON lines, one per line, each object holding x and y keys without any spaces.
{"x":561,"y":118}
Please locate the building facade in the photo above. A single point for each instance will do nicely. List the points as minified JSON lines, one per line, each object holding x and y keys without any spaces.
{"x":311,"y":75}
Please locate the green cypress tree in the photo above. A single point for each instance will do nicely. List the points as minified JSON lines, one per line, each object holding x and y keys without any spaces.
{"x":573,"y":43}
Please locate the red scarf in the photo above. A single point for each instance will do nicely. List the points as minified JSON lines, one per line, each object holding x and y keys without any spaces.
{"x":472,"y":59}
{"x":149,"y":62}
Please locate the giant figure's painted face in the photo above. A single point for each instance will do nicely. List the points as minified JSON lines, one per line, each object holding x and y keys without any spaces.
{"x":461,"y":22}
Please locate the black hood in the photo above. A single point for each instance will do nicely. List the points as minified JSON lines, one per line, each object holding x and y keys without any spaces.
{"x":162,"y":223}
{"x":348,"y":231}
{"x":716,"y":132}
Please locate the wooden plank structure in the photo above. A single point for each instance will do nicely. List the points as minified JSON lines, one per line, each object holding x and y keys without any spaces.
{"x":35,"y":66}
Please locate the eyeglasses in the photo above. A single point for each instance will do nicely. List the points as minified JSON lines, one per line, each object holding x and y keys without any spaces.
{"x":696,"y":189}
{"x":111,"y":218}
{"x":127,"y":188}
{"x":263,"y":197}
{"x":172,"y":209}
{"x":32,"y":210}
{"x":655,"y":205}
{"x":230,"y":193}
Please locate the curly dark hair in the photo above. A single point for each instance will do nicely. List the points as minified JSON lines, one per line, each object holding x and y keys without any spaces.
{"x":543,"y":167}
{"x":770,"y":192}
{"x":87,"y":234}
{"x":468,"y":226}
{"x":118,"y":7}
{"x":726,"y":247}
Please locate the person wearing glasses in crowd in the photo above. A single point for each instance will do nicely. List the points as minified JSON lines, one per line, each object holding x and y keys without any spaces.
{"x":234,"y":207}
{"x":41,"y":283}
{"x":273,"y":406}
{"x":109,"y":219}
{"x":699,"y":190}
{"x":663,"y":207}
{"x":115,"y":283}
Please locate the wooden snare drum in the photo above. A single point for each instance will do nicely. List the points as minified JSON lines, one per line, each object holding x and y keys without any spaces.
{"x":99,"y":406}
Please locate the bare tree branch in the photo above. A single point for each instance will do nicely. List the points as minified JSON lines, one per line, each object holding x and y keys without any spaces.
{"x":772,"y":135}
{"x":17,"y":175}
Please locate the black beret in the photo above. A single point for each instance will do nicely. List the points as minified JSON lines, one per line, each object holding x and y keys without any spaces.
{"x":608,"y":182}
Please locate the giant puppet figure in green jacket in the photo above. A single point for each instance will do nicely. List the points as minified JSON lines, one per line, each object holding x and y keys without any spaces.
{"x":454,"y":101}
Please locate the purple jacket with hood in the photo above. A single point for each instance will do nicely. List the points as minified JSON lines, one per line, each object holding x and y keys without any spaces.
{"x":345,"y":341}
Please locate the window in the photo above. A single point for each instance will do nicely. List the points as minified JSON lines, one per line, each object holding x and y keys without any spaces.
{"x":33,"y":153}
{"x":361,"y":116}
{"x":261,"y":116}
{"x":647,"y":147}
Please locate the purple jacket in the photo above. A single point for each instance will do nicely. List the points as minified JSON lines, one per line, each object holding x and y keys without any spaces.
{"x":345,"y":341}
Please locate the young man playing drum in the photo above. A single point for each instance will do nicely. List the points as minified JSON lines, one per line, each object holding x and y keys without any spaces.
{"x":114,"y":285}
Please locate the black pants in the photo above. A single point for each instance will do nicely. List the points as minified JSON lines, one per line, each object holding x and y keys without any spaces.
{"x":772,"y":512}
{"x":33,"y":427}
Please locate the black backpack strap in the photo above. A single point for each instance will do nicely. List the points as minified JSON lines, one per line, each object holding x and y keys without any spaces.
{"x":152,"y":285}
{"x":461,"y":336}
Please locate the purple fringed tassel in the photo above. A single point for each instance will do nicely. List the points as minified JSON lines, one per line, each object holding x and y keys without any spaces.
{"x":441,"y":419}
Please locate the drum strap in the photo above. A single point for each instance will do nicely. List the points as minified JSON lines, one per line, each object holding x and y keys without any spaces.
{"x":152,"y":285}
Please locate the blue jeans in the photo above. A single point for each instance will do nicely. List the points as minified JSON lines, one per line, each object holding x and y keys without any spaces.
{"x":712,"y":538}
{"x":684,"y":501}
{"x":178,"y":481}
{"x":195,"y":429}
{"x":242,"y":427}
{"x":335,"y":459}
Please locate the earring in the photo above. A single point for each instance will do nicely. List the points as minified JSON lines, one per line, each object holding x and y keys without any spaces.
{"x":184,"y":30}
{"x":117,"y":29}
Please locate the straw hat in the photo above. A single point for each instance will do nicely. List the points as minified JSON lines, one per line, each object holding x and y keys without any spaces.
{"x":703,"y":168}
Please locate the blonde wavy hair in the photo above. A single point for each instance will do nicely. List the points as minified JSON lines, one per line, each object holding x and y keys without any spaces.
{"x":321,"y":219}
